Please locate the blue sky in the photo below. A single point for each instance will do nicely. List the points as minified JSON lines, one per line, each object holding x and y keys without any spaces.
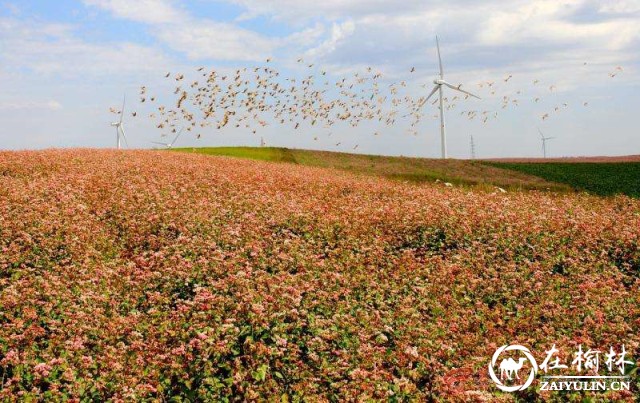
{"x":63,"y":64}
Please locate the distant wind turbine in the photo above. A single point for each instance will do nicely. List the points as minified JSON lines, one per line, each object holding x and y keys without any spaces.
{"x":439,"y":82}
{"x":169,"y":145}
{"x":119,"y":125}
{"x":472,"y":145}
{"x":544,"y":143}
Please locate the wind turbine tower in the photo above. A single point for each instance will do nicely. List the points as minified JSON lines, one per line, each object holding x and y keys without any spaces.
{"x":119,"y":125}
{"x":472,"y":145}
{"x":439,"y":83}
{"x":544,"y":143}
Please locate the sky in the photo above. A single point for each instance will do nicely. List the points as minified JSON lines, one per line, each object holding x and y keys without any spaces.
{"x":64,"y":63}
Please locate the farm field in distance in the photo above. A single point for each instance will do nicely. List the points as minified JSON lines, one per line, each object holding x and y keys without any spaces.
{"x":601,"y":178}
{"x":598,"y":175}
{"x":146,"y":275}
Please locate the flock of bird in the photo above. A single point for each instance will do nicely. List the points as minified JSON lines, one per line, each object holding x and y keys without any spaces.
{"x":252,"y":98}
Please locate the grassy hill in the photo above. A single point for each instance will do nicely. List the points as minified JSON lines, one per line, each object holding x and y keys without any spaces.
{"x":460,"y":172}
{"x":602,"y":177}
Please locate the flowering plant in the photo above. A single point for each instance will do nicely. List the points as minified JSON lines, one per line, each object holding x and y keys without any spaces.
{"x":150,"y":275}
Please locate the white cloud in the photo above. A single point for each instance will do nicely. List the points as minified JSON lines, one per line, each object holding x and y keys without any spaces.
{"x":549,"y":21}
{"x":48,"y":49}
{"x":146,"y":11}
{"x":13,"y":105}
{"x":307,"y":37}
{"x":339,"y":33}
{"x":221,"y":41}
{"x":198,"y":39}
{"x":621,"y":6}
{"x":385,"y":25}
{"x":299,"y":11}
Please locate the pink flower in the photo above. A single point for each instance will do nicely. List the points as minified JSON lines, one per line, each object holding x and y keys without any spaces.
{"x":11,"y":358}
{"x":42,"y":370}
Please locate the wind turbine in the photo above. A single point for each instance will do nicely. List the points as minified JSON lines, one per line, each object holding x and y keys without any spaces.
{"x":439,"y":82}
{"x":119,"y":125}
{"x":170,"y":145}
{"x":472,"y":145}
{"x":544,"y":142}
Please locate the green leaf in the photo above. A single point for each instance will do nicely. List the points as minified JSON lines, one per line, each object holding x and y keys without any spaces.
{"x":261,"y":374}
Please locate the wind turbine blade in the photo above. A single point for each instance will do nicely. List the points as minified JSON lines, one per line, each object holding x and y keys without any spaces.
{"x":435,"y":89}
{"x":439,"y":58}
{"x":541,"y":135}
{"x":453,"y":87}
{"x":124,"y":136}
{"x":124,"y":100}
{"x":156,"y":142}
{"x":174,"y":140}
